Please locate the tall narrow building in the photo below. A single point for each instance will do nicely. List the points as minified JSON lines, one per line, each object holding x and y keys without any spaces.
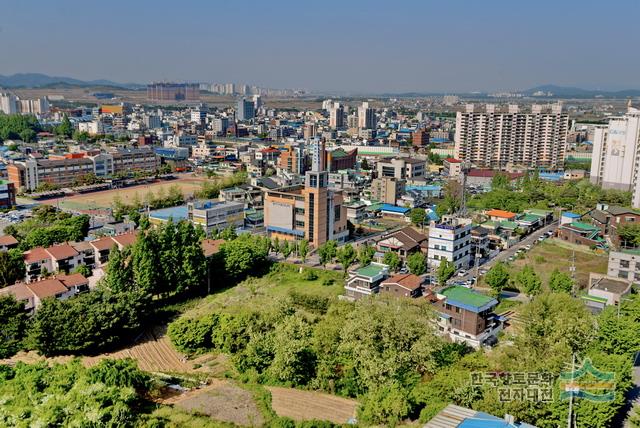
{"x":489,"y":138}
{"x":336,"y":116}
{"x":615,"y":163}
{"x":366,"y":117}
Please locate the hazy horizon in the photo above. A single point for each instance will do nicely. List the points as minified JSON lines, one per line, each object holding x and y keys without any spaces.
{"x":359,"y":47}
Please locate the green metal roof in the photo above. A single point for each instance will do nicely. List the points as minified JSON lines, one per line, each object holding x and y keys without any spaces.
{"x":530,"y":218}
{"x":594,"y":298}
{"x":374,"y":207}
{"x":634,"y":251}
{"x":540,"y":212}
{"x":467,"y":296}
{"x":370,"y":270}
{"x":508,"y":224}
{"x":584,"y":226}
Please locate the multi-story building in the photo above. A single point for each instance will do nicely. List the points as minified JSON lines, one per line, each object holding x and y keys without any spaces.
{"x":313,"y":211}
{"x":452,"y":168}
{"x":499,"y":139}
{"x":615,"y":163}
{"x":366,"y":117}
{"x":309,"y":131}
{"x":420,"y":137}
{"x":8,"y":103}
{"x":450,"y":240}
{"x":245,"y":110}
{"x":403,"y":242}
{"x":58,"y":287}
{"x":130,"y":160}
{"x":292,"y":159}
{"x":336,"y":116}
{"x":340,"y":159}
{"x":625,"y":264}
{"x":7,"y":194}
{"x":387,"y":189}
{"x":152,"y":121}
{"x":215,"y":216}
{"x":401,"y":168}
{"x":173,"y":92}
{"x":467,"y":316}
{"x":220,"y":125}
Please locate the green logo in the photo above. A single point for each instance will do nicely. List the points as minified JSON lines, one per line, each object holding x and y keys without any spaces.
{"x":588,"y":382}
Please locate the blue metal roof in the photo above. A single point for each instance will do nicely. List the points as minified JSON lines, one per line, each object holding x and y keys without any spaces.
{"x":395,"y":209}
{"x":175,"y":213}
{"x":571,"y":215}
{"x":285,"y":230}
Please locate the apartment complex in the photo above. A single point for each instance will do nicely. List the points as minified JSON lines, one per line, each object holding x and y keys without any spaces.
{"x":7,"y":194}
{"x":450,"y":240}
{"x":420,"y":138}
{"x":366,"y":117}
{"x":292,"y":159}
{"x":10,"y":104}
{"x":492,"y":138}
{"x":245,"y":110}
{"x":336,"y":116}
{"x":616,"y":154}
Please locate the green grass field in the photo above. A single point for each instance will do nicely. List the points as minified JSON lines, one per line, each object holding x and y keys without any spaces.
{"x":283,"y":278}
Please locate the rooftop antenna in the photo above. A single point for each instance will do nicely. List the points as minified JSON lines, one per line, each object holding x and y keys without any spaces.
{"x":463,"y":198}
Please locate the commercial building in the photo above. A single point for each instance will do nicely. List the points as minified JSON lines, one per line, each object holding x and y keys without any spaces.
{"x":313,"y":211}
{"x":220,"y":125}
{"x":616,"y":154}
{"x":467,"y":316}
{"x":292,"y":159}
{"x":387,"y":189}
{"x":245,"y":110}
{"x":401,"y":168}
{"x":490,"y":138}
{"x":450,"y":240}
{"x":173,"y":92}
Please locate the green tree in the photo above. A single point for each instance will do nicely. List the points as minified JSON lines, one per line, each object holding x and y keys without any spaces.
{"x":303,"y":249}
{"x":452,"y":199}
{"x":385,"y":405}
{"x":499,"y":181}
{"x":560,"y":282}
{"x":497,"y":278}
{"x":365,"y":254}
{"x":446,"y":269}
{"x":286,"y":249}
{"x":83,"y":270}
{"x":629,"y":235}
{"x":12,"y":267}
{"x":418,"y":215}
{"x":392,"y":260}
{"x":65,"y":129}
{"x":529,"y":281}
{"x":242,"y":255}
{"x":417,"y":263}
{"x":13,"y":321}
{"x":327,"y":252}
{"x":364,"y":165}
{"x":346,"y":256}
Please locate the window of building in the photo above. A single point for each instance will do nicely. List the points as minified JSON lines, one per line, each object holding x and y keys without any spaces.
{"x":624,"y":263}
{"x":623,"y":274}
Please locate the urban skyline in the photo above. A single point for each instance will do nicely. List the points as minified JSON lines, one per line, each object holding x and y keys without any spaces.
{"x":428,"y":50}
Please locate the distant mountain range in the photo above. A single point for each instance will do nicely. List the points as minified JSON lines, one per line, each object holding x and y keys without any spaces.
{"x":38,"y":80}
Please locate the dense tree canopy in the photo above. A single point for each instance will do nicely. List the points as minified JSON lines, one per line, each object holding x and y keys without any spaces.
{"x":18,"y":127}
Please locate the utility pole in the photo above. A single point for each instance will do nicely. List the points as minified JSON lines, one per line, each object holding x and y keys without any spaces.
{"x":570,"y":418}
{"x":572,"y":269}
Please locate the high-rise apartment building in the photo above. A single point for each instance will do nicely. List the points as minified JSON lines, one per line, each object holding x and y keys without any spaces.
{"x":366,"y":117}
{"x":220,"y":125}
{"x":615,"y":163}
{"x":489,"y":138}
{"x":8,"y":103}
{"x":336,"y":116}
{"x":246,"y":110}
{"x":173,"y":91}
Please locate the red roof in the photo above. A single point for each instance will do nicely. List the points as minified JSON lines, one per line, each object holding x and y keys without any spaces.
{"x":8,"y":240}
{"x":104,"y":243}
{"x":47,"y":288}
{"x":211,"y":246}
{"x":500,"y":213}
{"x":36,"y":255}
{"x":453,"y":160}
{"x":73,"y":279}
{"x":61,"y":252}
{"x":126,"y":239}
{"x":489,"y":173}
{"x":408,"y":281}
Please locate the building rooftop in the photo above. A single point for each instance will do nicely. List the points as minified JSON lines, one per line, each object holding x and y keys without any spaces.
{"x":500,"y":213}
{"x":454,"y":416}
{"x":7,"y":240}
{"x":408,"y":281}
{"x":584,"y":226}
{"x":175,"y":213}
{"x":611,"y":285}
{"x":468,"y":299}
{"x":371,"y":270}
{"x":571,"y":215}
{"x":395,"y":209}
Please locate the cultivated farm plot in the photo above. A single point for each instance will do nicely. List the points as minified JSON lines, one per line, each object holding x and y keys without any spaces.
{"x":153,"y":352}
{"x":222,"y":401}
{"x":307,"y":405}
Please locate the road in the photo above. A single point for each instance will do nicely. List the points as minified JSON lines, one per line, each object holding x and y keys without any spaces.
{"x":504,"y":255}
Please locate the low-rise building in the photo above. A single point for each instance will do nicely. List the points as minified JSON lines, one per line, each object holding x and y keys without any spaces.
{"x":582,"y":234}
{"x":58,"y":287}
{"x":401,"y":168}
{"x":605,"y":290}
{"x":403,"y":242}
{"x":7,"y":242}
{"x":57,"y":258}
{"x":402,"y":285}
{"x":356,"y":212}
{"x":452,"y":168}
{"x":387,"y":189}
{"x":625,"y":264}
{"x":467,"y":316}
{"x":365,"y":280}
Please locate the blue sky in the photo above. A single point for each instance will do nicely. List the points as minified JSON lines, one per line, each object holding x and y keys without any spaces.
{"x":348,"y":45}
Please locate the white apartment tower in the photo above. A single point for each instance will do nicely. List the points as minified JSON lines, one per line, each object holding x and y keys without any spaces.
{"x":336,"y":116}
{"x":450,"y":240}
{"x":615,"y":163}
{"x":489,"y":138}
{"x":366,"y":117}
{"x":8,"y":103}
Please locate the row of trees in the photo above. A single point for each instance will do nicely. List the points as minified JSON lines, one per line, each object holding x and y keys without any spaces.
{"x":18,"y":127}
{"x":527,"y":280}
{"x":211,"y":189}
{"x":161,"y":199}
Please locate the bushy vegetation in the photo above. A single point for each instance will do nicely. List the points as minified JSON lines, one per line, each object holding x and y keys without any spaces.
{"x":18,"y":127}
{"x":48,"y":226}
{"x":211,"y":189}
{"x":531,"y":191}
{"x":154,"y":201}
{"x":107,"y":395}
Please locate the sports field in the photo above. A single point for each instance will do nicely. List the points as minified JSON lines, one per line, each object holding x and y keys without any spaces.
{"x":104,"y":199}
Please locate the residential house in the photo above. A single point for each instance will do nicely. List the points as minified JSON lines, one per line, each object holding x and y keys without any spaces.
{"x":7,"y":242}
{"x":450,"y":239}
{"x":57,"y":258}
{"x":104,"y":245}
{"x":402,"y":285}
{"x":467,"y":316}
{"x":403,"y":242}
{"x":610,"y":218}
{"x":454,"y":416}
{"x":58,"y":287}
{"x":582,"y":234}
{"x":625,"y":264}
{"x":365,"y":280}
{"x":500,"y":215}
{"x":356,"y":212}
{"x":605,"y":290}
{"x":86,"y":252}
